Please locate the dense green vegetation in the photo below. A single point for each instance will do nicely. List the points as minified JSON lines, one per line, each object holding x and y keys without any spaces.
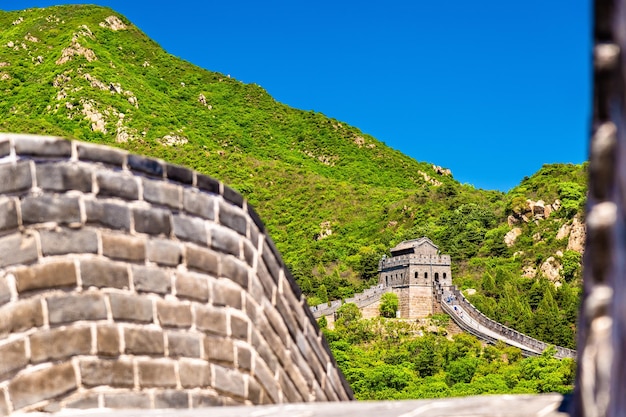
{"x":333,"y":198}
{"x":393,"y":359}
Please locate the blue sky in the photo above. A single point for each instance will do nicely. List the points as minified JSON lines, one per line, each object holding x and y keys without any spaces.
{"x":491,"y":89}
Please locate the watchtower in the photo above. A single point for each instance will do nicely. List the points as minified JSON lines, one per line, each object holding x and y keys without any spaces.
{"x":414,"y":271}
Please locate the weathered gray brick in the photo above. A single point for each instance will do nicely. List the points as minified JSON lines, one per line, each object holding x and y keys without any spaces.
{"x":233,"y":218}
{"x":271,"y":263}
{"x":171,"y":399}
{"x":125,"y":400}
{"x":173,"y":313}
{"x":69,"y":308}
{"x":235,"y":270}
{"x":244,"y":357}
{"x":229,"y":381}
{"x":5,"y":291}
{"x":48,"y":275}
{"x":15,"y":177}
{"x":84,"y":401}
{"x":286,"y":314}
{"x":152,"y":221}
{"x":63,"y":177}
{"x":140,"y":341}
{"x":108,"y":214}
{"x":99,"y":153}
{"x":17,"y":248}
{"x":148,"y":166}
{"x":183,"y":344}
{"x":131,"y":307}
{"x":205,"y":399}
{"x":194,"y":373}
{"x":179,"y":174}
{"x":165,"y":252}
{"x":64,"y":241}
{"x":116,"y":184}
{"x":289,"y":390}
{"x":199,"y":203}
{"x":114,"y":373}
{"x":20,"y":316}
{"x":232,"y":196}
{"x":8,"y":214}
{"x":5,"y":147}
{"x":42,"y":384}
{"x":45,"y":208}
{"x":43,"y":146}
{"x":266,"y":280}
{"x":254,"y":391}
{"x":211,"y":319}
{"x":163,"y":193}
{"x":206,"y":183}
{"x":157,"y":373}
{"x":191,"y":285}
{"x":60,"y":343}
{"x":249,"y":252}
{"x":265,"y":377}
{"x":219,"y":349}
{"x":124,"y":247}
{"x":225,"y":240}
{"x":147,"y":279}
{"x":239,"y":327}
{"x":108,"y":340}
{"x":103,"y":273}
{"x":202,"y":259}
{"x":191,"y":229}
{"x":225,"y":293}
{"x":12,"y":358}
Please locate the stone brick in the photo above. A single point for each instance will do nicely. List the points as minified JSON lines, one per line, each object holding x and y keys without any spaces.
{"x":235,"y":270}
{"x":131,"y":307}
{"x":171,"y":399}
{"x":149,"y":279}
{"x":173,"y":314}
{"x":249,"y":252}
{"x":289,"y":390}
{"x":21,"y":315}
{"x":276,"y":321}
{"x":219,"y":349}
{"x":191,"y":229}
{"x":199,"y":203}
{"x":286,"y":314}
{"x":107,"y":214}
{"x":8,"y":214}
{"x":194,"y":373}
{"x":238,"y":327}
{"x":211,"y":319}
{"x":229,"y":381}
{"x":244,"y":357}
{"x":271,"y":263}
{"x":277,"y":346}
{"x":15,"y":177}
{"x":68,"y":241}
{"x":265,"y":377}
{"x":233,"y":218}
{"x":5,"y":147}
{"x":255,"y":217}
{"x":4,"y":407}
{"x":102,"y":273}
{"x":17,"y":248}
{"x":48,"y":275}
{"x":254,"y":391}
{"x":116,"y":184}
{"x":148,"y":166}
{"x":225,"y":240}
{"x":141,"y":341}
{"x":84,"y":402}
{"x":132,"y":400}
{"x":59,"y":343}
{"x":266,"y":280}
{"x":207,"y":183}
{"x":43,"y":146}
{"x":204,"y":399}
{"x":108,"y":340}
{"x":45,"y":208}
{"x":99,"y":153}
{"x":164,"y":252}
{"x":183,"y":344}
{"x":124,"y":247}
{"x":157,"y":373}
{"x":233,"y":196}
{"x":162,"y":193}
{"x":202,"y":259}
{"x":179,"y":174}
{"x":225,"y":293}
{"x":12,"y":358}
{"x":69,"y":308}
{"x":152,"y":221}
{"x":114,"y":373}
{"x":43,"y":384}
{"x":191,"y":285}
{"x":64,"y":177}
{"x":5,"y":291}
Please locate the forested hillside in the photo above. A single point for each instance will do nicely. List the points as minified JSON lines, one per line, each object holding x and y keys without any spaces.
{"x":334,"y":199}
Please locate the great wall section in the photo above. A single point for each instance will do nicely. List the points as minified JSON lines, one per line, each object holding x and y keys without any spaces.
{"x":127,"y":282}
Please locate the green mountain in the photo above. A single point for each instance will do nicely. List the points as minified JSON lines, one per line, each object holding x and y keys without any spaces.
{"x":333,"y":198}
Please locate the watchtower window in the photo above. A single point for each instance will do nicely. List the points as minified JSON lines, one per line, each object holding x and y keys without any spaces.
{"x":416,"y":275}
{"x":436,"y":276}
{"x":425,"y":275}
{"x":444,"y":275}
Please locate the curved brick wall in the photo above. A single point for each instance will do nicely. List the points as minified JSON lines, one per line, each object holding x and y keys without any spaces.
{"x":127,"y":282}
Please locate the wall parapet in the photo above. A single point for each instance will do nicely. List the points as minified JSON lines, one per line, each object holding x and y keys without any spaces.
{"x":127,"y":281}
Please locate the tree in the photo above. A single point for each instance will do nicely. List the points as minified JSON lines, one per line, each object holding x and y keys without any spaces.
{"x":348,"y":314}
{"x":388,"y":305}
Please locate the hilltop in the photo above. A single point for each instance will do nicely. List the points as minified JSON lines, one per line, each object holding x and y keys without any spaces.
{"x":334,"y":199}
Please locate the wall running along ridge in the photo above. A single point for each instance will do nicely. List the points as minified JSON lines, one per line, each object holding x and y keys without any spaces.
{"x":127,"y":282}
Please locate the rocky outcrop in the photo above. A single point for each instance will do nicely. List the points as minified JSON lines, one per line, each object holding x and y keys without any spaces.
{"x":577,"y":236}
{"x":114,"y":23}
{"x":533,"y":210}
{"x":511,"y":236}
{"x":551,"y":269}
{"x":442,"y":171}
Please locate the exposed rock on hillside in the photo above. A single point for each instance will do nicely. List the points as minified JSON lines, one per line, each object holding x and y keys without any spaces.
{"x":577,"y":236}
{"x":114,"y":23}
{"x":442,"y":171}
{"x":511,"y":236}
{"x":551,"y":269}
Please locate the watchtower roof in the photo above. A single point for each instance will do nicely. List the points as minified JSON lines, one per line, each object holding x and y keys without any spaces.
{"x":421,"y":245}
